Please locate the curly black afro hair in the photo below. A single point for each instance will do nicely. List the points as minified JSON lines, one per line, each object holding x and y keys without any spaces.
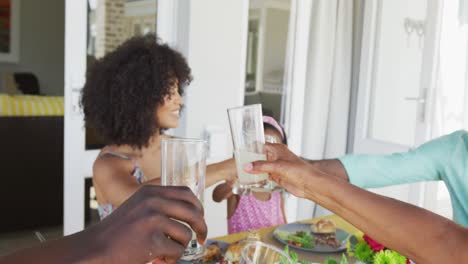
{"x":124,"y":88}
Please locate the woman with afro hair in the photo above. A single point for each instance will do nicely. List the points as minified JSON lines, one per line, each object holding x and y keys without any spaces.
{"x":130,"y":97}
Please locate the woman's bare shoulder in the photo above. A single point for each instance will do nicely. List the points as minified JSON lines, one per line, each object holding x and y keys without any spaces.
{"x":108,"y":165}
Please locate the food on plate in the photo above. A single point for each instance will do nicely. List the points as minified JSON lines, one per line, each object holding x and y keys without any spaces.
{"x":325,"y":233}
{"x":298,"y":239}
{"x":323,"y":227}
{"x":327,"y":239}
{"x":211,"y":253}
{"x":233,"y":252}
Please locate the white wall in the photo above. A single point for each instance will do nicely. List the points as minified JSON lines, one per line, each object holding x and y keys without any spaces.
{"x":216,"y":50}
{"x":217,"y":56}
{"x":42,"y":26}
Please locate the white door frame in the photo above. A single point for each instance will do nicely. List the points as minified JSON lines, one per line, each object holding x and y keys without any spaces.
{"x":366,"y":77}
{"x":418,"y":193}
{"x":368,"y":49}
{"x":77,"y":161}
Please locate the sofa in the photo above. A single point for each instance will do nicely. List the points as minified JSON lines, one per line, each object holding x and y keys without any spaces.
{"x":31,"y":171}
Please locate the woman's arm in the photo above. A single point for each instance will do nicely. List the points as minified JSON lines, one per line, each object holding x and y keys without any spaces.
{"x":216,"y":172}
{"x":417,"y":233}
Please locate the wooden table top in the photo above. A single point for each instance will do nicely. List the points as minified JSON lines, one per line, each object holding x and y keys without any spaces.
{"x":266,"y":235}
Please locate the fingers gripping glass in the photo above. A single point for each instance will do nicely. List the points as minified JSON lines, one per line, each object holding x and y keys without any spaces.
{"x":183,"y":163}
{"x":248,"y":138}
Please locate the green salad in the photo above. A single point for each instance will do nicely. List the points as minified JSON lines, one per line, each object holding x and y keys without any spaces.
{"x":295,"y":259}
{"x":298,"y":239}
{"x":293,"y":256}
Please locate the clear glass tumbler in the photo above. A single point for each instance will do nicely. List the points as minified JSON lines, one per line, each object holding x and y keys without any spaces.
{"x":248,"y":138}
{"x":183,"y":163}
{"x":261,"y":253}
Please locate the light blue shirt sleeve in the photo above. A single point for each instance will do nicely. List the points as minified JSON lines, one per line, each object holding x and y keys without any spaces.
{"x":444,"y":158}
{"x":426,"y":163}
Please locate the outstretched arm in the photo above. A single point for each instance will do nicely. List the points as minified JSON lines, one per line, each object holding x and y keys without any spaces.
{"x":330,"y":167}
{"x":71,"y":249}
{"x":417,"y":233}
{"x":216,"y":172}
{"x":140,"y":230}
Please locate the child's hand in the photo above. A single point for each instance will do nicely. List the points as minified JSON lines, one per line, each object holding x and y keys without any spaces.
{"x":223,"y":191}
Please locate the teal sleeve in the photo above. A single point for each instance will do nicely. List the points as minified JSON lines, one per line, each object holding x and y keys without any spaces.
{"x":426,"y":163}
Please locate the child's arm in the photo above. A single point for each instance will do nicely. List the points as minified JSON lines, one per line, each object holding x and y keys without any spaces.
{"x":222,"y":191}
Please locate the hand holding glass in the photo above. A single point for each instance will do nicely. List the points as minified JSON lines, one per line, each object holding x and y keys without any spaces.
{"x":248,"y":138}
{"x":183,"y":163}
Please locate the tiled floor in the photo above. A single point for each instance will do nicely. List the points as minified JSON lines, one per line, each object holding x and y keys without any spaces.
{"x":10,"y":242}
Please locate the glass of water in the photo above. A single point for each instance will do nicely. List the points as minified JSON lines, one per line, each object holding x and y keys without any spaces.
{"x":248,"y":138}
{"x":261,"y":253}
{"x":183,"y":163}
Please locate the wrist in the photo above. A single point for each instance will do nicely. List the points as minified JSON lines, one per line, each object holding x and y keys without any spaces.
{"x":91,"y":248}
{"x":316,"y":184}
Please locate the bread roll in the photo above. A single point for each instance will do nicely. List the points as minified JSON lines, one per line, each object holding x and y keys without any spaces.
{"x":324,"y":227}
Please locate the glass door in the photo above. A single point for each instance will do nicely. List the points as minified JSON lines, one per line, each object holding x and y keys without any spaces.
{"x":266,"y":54}
{"x":93,"y":28}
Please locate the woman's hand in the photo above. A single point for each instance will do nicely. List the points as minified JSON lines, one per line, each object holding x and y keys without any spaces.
{"x":285,"y":168}
{"x":144,"y":227}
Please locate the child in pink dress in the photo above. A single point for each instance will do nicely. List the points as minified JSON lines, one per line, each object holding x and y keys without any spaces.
{"x":258,"y":209}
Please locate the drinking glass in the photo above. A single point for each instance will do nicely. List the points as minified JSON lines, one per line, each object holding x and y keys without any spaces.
{"x":261,"y":253}
{"x":183,"y":163}
{"x":248,"y":139}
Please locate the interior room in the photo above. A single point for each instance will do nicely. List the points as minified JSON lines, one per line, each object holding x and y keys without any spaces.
{"x":339,"y":78}
{"x":31,"y":120}
{"x":32,"y":123}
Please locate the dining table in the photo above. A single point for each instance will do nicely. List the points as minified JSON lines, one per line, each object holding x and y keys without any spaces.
{"x":266,"y":236}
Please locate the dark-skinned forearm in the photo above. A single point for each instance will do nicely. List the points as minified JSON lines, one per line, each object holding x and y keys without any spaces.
{"x":417,"y":233}
{"x":330,"y":166}
{"x":77,"y":248}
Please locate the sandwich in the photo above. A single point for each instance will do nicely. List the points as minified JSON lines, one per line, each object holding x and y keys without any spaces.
{"x":325,"y":233}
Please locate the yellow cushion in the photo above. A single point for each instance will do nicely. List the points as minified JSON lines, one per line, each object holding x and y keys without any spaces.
{"x":30,"y":105}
